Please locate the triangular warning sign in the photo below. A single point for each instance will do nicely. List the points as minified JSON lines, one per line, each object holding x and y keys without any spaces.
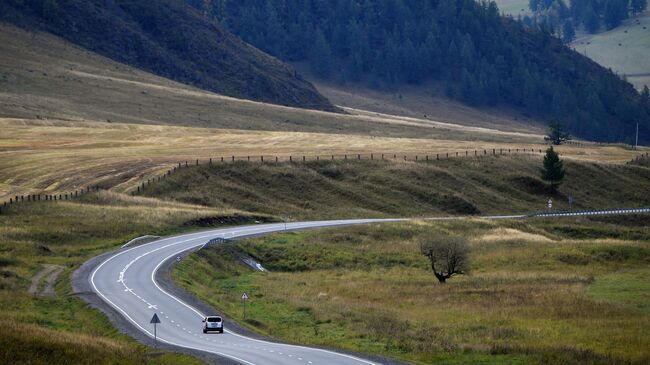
{"x":155,"y":318}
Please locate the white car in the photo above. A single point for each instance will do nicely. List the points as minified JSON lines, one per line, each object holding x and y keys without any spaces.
{"x":212,"y":323}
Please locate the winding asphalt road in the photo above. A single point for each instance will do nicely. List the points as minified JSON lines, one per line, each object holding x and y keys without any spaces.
{"x":126,"y":281}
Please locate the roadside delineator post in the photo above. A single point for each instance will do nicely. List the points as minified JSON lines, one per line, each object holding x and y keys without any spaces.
{"x":244,"y":298}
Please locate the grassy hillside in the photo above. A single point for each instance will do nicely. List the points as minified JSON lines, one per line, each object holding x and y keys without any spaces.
{"x":63,"y":329}
{"x":46,"y":77}
{"x":426,"y":102}
{"x":560,"y":292}
{"x":339,"y":189}
{"x":168,"y":38}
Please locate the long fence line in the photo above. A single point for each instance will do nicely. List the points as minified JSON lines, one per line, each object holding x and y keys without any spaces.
{"x":22,"y":199}
{"x":269,"y":159}
{"x":640,"y":158}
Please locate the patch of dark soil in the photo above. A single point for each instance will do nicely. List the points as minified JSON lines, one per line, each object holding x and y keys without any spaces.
{"x":457,"y":205}
{"x":535,"y":186}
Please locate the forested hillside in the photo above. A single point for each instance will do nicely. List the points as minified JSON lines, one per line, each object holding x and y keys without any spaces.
{"x":171,"y":39}
{"x":563,"y":17}
{"x":478,"y":56}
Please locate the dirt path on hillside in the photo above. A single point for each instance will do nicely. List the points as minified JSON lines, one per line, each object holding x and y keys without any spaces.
{"x":50,"y":272}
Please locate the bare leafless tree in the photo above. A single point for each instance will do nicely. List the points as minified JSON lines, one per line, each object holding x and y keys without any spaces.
{"x":448,"y":255}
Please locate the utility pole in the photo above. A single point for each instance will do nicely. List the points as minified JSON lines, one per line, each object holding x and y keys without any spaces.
{"x":636,"y":144}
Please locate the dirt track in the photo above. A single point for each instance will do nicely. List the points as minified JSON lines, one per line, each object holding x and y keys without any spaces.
{"x":50,"y":272}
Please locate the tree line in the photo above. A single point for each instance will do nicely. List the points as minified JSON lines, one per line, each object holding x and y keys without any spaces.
{"x":477,"y":56}
{"x":593,"y":15}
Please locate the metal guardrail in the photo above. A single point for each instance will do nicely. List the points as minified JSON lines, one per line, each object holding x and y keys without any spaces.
{"x":570,"y":213}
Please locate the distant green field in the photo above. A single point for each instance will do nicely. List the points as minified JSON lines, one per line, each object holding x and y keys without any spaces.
{"x":514,"y":7}
{"x":626,"y":49}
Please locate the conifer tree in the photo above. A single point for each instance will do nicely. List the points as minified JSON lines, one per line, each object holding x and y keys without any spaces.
{"x":321,"y":56}
{"x":568,"y":32}
{"x":553,"y":169}
{"x":645,"y":94}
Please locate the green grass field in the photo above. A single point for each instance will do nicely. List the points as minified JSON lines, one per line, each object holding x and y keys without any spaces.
{"x":539,"y":292}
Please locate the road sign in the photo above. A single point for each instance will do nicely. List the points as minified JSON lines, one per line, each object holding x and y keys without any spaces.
{"x":155,"y":320}
{"x":549,"y":204}
{"x":178,"y":259}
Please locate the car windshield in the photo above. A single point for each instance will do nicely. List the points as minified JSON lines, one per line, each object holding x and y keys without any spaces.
{"x":214,"y":319}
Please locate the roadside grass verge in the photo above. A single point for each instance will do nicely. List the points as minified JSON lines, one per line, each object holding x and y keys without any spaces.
{"x":534,"y":296}
{"x":464,"y":186}
{"x":63,"y":329}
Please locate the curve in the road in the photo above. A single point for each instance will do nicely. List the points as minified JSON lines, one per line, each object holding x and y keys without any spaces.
{"x":127,"y":282}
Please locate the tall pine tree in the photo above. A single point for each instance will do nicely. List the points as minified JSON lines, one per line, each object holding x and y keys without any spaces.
{"x":553,"y":169}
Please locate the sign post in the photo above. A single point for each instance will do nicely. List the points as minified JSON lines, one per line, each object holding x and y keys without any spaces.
{"x":570,"y":202}
{"x":244,"y":298}
{"x":155,"y":320}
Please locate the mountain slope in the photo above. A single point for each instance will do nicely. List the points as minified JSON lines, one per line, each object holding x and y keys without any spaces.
{"x":475,"y":56}
{"x":168,"y":38}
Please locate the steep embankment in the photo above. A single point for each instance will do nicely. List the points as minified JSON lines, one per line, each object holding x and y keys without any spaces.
{"x":339,"y":189}
{"x":170,"y":39}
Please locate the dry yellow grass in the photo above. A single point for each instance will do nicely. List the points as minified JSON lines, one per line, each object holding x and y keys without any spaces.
{"x":53,"y":156}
